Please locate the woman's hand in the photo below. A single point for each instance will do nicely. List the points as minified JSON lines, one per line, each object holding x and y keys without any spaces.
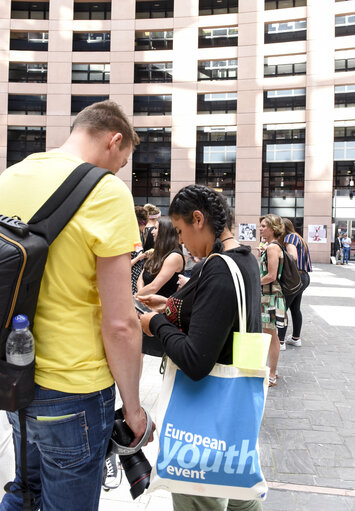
{"x":155,"y":302}
{"x":182,"y":281}
{"x":145,"y":320}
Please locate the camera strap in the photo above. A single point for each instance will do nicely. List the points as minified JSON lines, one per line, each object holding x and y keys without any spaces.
{"x":123,"y":450}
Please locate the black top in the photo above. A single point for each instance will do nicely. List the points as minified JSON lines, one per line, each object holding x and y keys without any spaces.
{"x":148,"y":238}
{"x":197,"y":328}
{"x":169,"y":287}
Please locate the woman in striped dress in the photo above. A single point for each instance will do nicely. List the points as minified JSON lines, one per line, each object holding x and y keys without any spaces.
{"x":297,"y":247}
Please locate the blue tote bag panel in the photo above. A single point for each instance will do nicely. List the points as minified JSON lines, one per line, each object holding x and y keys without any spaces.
{"x":208,"y":433}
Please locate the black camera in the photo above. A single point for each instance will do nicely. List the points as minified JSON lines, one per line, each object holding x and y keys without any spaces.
{"x":135,"y":465}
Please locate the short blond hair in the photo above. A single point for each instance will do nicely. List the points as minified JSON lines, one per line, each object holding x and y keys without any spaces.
{"x":106,"y":116}
{"x":275,"y":223}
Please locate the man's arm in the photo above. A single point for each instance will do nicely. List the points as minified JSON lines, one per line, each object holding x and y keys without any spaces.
{"x":122,"y":335}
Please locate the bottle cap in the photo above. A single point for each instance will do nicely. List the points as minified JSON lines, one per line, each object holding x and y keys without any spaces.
{"x":20,"y":321}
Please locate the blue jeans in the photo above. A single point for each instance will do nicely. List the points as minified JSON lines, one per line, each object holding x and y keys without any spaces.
{"x":65,"y":456}
{"x":346,"y":254}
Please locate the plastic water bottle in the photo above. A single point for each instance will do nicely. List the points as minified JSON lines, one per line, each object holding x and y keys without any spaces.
{"x":20,"y":345}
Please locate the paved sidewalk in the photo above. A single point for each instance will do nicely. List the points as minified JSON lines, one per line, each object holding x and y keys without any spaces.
{"x":308,"y":432}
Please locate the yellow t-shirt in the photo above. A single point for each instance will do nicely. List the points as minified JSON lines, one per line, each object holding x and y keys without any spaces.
{"x":69,"y":350}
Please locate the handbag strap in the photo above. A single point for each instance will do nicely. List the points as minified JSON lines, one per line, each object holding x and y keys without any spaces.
{"x":239,"y":288}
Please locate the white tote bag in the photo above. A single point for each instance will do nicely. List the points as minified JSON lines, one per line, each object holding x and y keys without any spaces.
{"x":208,"y":430}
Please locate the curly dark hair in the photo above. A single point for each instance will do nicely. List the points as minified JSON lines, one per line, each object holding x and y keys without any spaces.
{"x":141,"y":214}
{"x":166,"y":242}
{"x":204,"y":199}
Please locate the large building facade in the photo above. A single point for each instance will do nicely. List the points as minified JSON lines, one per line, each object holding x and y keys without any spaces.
{"x":255,"y":98}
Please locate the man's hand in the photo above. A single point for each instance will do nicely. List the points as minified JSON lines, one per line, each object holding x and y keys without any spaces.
{"x":137,"y":422}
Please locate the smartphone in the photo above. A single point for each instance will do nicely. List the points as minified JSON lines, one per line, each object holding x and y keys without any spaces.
{"x":140,"y":307}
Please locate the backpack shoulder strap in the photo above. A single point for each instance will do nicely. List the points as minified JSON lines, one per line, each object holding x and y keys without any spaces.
{"x":56,"y":212}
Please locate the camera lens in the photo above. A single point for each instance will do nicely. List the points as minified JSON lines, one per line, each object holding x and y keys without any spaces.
{"x":136,"y":466}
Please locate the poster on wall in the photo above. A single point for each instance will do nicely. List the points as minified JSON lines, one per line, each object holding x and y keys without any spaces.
{"x":247,"y":232}
{"x":317,"y":234}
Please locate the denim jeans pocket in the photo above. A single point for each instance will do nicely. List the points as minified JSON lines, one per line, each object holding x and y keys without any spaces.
{"x":61,"y":440}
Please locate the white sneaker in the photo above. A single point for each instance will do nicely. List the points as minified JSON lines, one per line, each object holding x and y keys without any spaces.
{"x":293,"y":342}
{"x":112,"y":475}
{"x":282,"y":346}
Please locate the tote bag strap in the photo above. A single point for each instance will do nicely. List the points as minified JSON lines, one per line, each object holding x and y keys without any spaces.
{"x":239,"y":288}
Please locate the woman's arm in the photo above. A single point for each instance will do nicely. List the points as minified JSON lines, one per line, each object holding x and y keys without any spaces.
{"x":212,"y":319}
{"x":139,"y":257}
{"x":292,"y":250}
{"x":173,"y":264}
{"x":140,"y":282}
{"x":273,"y":253}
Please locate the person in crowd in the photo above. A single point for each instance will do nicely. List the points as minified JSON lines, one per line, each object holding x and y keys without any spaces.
{"x":197,"y":324}
{"x":262,"y":246}
{"x":297,"y":247}
{"x":87,"y":334}
{"x":338,"y":248}
{"x":138,"y":255}
{"x":346,"y":242}
{"x":273,"y":305}
{"x":154,"y":214}
{"x":7,"y":455}
{"x":161,"y":272}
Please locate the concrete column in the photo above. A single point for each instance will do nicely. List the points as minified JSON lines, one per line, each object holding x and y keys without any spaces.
{"x":249,"y":113}
{"x":5,"y":9}
{"x":122,"y":65}
{"x":319,"y":123}
{"x":59,"y":72}
{"x":183,"y":136}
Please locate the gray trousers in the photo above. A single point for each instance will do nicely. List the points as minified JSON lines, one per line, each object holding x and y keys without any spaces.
{"x":194,"y":503}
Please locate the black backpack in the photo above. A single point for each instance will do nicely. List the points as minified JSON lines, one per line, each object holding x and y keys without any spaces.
{"x":23,"y":255}
{"x":290,"y":279}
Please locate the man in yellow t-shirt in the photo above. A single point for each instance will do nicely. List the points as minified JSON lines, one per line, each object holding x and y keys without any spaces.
{"x":86,"y":330}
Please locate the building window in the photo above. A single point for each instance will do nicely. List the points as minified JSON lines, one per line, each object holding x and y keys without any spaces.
{"x":94,"y":41}
{"x":217,"y":103}
{"x":285,"y":31}
{"x":154,"y":9}
{"x":216,"y":37}
{"x":283,"y":172}
{"x":207,"y":7}
{"x":92,"y":10}
{"x":78,"y":103}
{"x":215,"y":159}
{"x":344,"y":25}
{"x":285,"y":65}
{"x":34,"y":41}
{"x":90,"y":73}
{"x":290,"y":99}
{"x":283,"y":4}
{"x":151,"y":167}
{"x":344,"y":65}
{"x":23,"y":141}
{"x":153,"y":72}
{"x":152,"y":105}
{"x":29,"y":10}
{"x":218,"y":69}
{"x":344,"y":96}
{"x":344,"y":157}
{"x":285,"y":152}
{"x":26,"y":104}
{"x":27,"y":72}
{"x":146,"y":40}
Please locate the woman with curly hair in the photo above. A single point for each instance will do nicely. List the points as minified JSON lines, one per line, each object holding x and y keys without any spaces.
{"x":154,"y":214}
{"x":273,"y":306}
